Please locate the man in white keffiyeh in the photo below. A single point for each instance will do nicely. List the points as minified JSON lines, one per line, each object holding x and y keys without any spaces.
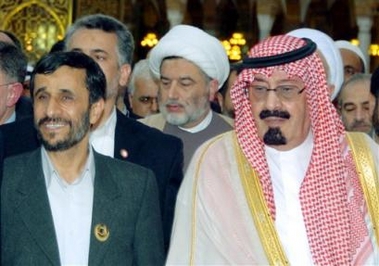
{"x":287,"y":185}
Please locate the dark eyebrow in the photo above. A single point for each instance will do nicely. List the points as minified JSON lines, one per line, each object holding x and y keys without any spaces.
{"x":92,"y":51}
{"x":97,"y":51}
{"x":66,"y":91}
{"x":39,"y":90}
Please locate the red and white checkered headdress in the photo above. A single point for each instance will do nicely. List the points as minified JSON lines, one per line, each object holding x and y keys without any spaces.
{"x":334,"y":223}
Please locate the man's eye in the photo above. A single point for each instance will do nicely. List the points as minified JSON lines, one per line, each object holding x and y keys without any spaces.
{"x":99,"y":58}
{"x":165,"y":82}
{"x":349,"y":71}
{"x":144,"y":99}
{"x":186,"y":83}
{"x":67,"y":98}
{"x":259,"y":88}
{"x":286,"y":89}
{"x":41,"y":97}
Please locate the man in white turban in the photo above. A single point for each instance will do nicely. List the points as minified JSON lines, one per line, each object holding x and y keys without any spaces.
{"x":353,"y":59}
{"x":190,"y":66}
{"x":330,"y":56}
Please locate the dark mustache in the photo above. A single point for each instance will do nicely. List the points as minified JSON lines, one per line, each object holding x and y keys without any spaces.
{"x":360,"y":123}
{"x":47,"y":119}
{"x":276,"y":113}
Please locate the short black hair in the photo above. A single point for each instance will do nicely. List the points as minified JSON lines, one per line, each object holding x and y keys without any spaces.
{"x":57,"y":46}
{"x":95,"y":78}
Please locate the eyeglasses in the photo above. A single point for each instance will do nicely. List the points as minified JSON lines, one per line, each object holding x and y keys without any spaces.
{"x":148,"y":100}
{"x":284,"y":92}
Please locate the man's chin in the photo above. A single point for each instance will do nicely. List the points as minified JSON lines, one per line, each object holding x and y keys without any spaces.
{"x":274,"y":137}
{"x":175,"y":119}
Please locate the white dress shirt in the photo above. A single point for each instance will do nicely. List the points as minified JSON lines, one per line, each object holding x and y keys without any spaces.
{"x":203,"y":124}
{"x":102,"y":138}
{"x":71,"y":207}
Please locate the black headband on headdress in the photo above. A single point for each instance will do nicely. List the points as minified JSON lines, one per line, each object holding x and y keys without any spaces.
{"x":280,"y":59}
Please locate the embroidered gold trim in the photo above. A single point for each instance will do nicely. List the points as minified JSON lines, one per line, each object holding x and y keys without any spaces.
{"x":367,"y":175}
{"x":259,"y":210}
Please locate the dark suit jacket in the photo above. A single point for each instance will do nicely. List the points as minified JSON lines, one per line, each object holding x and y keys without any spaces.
{"x":24,"y":108}
{"x":159,"y":152}
{"x":19,"y":136}
{"x":125,"y":200}
{"x":146,"y":146}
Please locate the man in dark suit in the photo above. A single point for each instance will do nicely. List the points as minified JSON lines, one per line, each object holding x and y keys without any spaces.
{"x":14,"y":65}
{"x":12,"y":73}
{"x":111,"y":45}
{"x":65,"y":204}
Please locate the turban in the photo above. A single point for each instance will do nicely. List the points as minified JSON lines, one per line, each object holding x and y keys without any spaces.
{"x":195,"y":45}
{"x":334,"y":222}
{"x":342,"y":44}
{"x":329,"y":51}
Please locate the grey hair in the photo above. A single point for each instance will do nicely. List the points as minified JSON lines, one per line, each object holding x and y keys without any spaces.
{"x":140,"y":70}
{"x":354,"y":79}
{"x":125,"y":41}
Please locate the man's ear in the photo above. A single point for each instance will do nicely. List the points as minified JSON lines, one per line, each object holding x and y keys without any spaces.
{"x":220,"y":100}
{"x":96,"y":111}
{"x":130,"y":97}
{"x":14,"y":93}
{"x":125,"y":71}
{"x":330,"y":90}
{"x":213,"y":89}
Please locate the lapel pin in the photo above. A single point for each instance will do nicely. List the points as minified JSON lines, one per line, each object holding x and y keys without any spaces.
{"x":123,"y":153}
{"x":101,"y":232}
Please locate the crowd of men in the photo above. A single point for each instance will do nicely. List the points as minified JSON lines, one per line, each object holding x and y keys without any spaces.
{"x":111,"y":162}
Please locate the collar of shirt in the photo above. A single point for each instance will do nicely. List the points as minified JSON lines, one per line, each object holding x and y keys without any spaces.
{"x":49,"y":170}
{"x":102,"y":138}
{"x":203,"y":124}
{"x":300,"y":155}
{"x":11,"y":119}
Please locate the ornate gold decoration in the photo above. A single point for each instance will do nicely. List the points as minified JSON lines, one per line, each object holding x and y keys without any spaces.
{"x":37,"y":23}
{"x":368,"y":176}
{"x":120,"y":9}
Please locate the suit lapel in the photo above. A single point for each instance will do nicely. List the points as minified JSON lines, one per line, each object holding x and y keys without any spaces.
{"x":105,"y":192}
{"x":34,"y":208}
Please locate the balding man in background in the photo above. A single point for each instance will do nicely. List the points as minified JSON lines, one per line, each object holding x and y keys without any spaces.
{"x":12,"y":74}
{"x":142,"y":91}
{"x":356,"y":104}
